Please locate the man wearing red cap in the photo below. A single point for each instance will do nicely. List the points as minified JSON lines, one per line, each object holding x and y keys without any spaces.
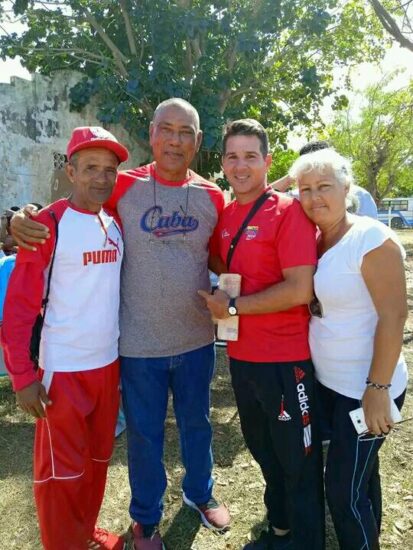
{"x":74,"y":395}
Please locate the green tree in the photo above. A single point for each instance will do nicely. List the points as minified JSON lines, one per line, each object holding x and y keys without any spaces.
{"x":270,"y":59}
{"x":379,"y":139}
{"x":282,"y":160}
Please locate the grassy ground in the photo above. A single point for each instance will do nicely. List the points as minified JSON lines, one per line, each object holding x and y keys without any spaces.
{"x":238,"y":479}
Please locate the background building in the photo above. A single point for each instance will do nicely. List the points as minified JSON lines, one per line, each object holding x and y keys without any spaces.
{"x":35,"y":126}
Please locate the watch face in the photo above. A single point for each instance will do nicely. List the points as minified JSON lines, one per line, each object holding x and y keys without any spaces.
{"x":232,"y":310}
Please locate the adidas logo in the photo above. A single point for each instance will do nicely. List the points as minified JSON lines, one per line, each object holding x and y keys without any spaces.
{"x":284,"y":416}
{"x":299,"y":374}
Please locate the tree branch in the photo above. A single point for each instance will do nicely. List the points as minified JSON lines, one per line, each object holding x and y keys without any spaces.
{"x":77,"y":53}
{"x":188,"y":58}
{"x":143,"y":103}
{"x":186,"y":4}
{"x":390,"y":25}
{"x":78,"y":58}
{"x":196,"y":49}
{"x":224,"y":97}
{"x":231,"y":56}
{"x":129,"y":29}
{"x":227,"y":95}
{"x":119,"y":57}
{"x":5,"y":30}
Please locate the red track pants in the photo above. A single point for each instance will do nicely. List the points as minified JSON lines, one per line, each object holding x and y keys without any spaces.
{"x":72,"y":448}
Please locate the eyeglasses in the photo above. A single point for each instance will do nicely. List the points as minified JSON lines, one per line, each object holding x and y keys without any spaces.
{"x":315,"y":308}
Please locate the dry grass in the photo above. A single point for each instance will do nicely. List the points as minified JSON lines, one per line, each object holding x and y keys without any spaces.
{"x":238,"y":479}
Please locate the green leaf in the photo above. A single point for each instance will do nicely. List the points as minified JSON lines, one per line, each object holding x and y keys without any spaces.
{"x":20,"y":6}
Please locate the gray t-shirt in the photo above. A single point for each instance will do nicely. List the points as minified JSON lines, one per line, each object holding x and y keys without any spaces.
{"x":167,"y":227}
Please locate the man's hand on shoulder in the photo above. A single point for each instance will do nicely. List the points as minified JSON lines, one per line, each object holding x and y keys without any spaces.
{"x":25,"y":230}
{"x":217,"y":303}
{"x":31,"y":399}
{"x":283,"y":184}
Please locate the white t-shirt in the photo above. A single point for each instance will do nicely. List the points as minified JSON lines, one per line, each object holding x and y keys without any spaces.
{"x":81,"y":326}
{"x":341,"y":341}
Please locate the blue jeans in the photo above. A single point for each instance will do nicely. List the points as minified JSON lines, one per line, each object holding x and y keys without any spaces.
{"x":145,"y":384}
{"x":352,"y":478}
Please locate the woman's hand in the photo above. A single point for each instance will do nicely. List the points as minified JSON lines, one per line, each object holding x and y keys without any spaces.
{"x":376,"y":407}
{"x":383,"y":273}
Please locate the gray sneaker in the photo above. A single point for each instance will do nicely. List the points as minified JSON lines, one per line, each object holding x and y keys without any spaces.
{"x":213,"y":515}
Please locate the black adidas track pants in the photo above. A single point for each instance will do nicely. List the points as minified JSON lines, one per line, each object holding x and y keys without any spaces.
{"x":276,"y":408}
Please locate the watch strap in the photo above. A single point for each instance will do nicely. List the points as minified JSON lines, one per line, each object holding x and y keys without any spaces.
{"x":232,"y":304}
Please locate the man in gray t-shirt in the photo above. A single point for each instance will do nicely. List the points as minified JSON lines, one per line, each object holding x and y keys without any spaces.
{"x":168,"y":215}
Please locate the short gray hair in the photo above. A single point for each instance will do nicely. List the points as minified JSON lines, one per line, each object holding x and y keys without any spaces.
{"x":177,"y":102}
{"x":321,"y":161}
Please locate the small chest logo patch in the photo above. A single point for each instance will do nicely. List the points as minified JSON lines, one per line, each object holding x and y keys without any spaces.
{"x":225,"y":234}
{"x":251,"y":231}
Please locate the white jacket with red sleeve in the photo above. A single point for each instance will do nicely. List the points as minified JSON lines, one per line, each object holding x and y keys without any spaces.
{"x":81,"y":327}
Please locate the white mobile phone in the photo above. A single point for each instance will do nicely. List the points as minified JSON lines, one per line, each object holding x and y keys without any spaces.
{"x":357,"y":417}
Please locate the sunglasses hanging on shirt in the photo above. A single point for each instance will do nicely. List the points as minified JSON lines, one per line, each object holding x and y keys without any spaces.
{"x":315,"y":308}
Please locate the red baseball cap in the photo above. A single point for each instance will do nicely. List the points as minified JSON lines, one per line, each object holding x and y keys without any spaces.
{"x":85,"y":137}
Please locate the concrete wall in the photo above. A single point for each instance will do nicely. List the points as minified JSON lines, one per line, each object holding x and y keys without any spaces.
{"x":35,"y":126}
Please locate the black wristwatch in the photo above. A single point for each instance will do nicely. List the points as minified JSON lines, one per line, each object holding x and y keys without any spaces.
{"x":232,"y":308}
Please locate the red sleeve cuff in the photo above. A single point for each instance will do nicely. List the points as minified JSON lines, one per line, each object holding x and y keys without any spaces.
{"x":22,"y":380}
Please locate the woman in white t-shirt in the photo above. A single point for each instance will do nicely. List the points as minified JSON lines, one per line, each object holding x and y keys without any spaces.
{"x":356,"y":335}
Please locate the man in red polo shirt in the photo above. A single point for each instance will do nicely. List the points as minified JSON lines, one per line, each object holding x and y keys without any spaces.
{"x":272,"y":374}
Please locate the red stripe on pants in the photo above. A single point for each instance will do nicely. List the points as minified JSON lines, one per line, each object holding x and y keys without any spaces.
{"x":72,"y":449}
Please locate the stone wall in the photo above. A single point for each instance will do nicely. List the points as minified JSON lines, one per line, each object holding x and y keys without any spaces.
{"x":35,"y":126}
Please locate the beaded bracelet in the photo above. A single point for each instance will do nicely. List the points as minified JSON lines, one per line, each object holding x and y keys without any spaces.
{"x":371,"y":384}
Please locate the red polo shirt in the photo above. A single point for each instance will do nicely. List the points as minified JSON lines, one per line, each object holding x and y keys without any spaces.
{"x":279,"y":236}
